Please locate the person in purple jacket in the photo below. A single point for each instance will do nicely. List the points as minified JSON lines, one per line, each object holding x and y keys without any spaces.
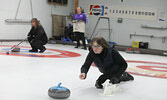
{"x":79,"y":27}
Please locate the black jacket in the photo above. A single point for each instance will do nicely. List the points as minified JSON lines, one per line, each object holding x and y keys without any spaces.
{"x":38,"y":34}
{"x":109,"y":56}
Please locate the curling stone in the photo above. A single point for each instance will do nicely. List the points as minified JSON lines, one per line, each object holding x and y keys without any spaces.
{"x":16,"y":49}
{"x":136,"y":51}
{"x":129,"y":50}
{"x":59,"y":92}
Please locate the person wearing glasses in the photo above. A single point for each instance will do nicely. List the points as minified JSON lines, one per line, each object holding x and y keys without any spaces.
{"x":109,"y":62}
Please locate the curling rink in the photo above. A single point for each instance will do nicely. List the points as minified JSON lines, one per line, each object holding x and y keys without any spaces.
{"x":28,"y":76}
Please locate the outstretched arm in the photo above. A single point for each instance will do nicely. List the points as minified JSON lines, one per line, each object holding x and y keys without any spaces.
{"x":30,"y":33}
{"x":86,"y":66}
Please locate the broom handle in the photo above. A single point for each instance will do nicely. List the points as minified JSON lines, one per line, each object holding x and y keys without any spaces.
{"x":19,"y":43}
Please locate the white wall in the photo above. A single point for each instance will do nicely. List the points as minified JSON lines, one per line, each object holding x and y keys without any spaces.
{"x":121,"y":31}
{"x":41,"y":10}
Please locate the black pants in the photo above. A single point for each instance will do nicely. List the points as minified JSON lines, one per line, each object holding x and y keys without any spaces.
{"x":38,"y":44}
{"x":108,"y":74}
{"x":111,"y":72}
{"x":81,"y":36}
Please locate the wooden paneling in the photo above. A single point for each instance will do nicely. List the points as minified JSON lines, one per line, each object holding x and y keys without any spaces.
{"x":59,"y":22}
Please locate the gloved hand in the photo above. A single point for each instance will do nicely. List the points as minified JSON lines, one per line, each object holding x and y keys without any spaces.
{"x":114,"y":80}
{"x":30,"y":39}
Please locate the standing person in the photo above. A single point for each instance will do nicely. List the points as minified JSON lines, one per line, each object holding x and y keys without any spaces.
{"x":79,"y":27}
{"x":37,"y":36}
{"x":108,"y":61}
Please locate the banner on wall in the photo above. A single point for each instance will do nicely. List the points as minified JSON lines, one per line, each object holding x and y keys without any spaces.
{"x":123,"y":12}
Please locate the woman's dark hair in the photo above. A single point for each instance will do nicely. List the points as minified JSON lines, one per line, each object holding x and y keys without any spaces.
{"x":82,"y":10}
{"x":100,"y":41}
{"x":37,"y":22}
{"x":80,"y":7}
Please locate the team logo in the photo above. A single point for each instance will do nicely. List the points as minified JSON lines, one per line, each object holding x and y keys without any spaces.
{"x":96,"y":10}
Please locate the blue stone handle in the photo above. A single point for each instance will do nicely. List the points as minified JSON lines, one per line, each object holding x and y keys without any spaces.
{"x":59,"y":85}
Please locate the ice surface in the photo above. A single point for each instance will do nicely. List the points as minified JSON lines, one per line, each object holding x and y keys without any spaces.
{"x":29,"y":78}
